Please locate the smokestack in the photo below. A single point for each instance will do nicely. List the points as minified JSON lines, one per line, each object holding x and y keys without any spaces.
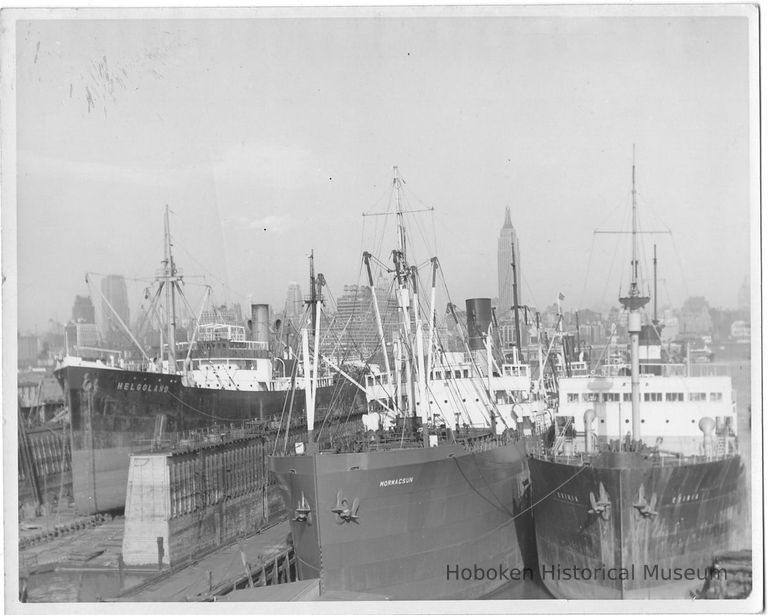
{"x":479,"y":315}
{"x":260,"y":322}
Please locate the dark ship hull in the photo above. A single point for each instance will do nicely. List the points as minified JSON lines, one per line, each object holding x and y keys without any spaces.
{"x":428,"y":518}
{"x":114,"y":411}
{"x":655,"y":538}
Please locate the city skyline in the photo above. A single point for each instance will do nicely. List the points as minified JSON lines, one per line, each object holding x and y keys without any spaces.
{"x":104,"y":110}
{"x":360,"y":293}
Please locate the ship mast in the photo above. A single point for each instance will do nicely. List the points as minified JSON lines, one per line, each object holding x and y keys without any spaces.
{"x":311,"y":373}
{"x":516,"y":307}
{"x":407,"y":347}
{"x":400,"y":224}
{"x":408,"y":299}
{"x":655,"y":292}
{"x":634,"y":302}
{"x":402,"y":272}
{"x":169,"y":279}
{"x":312,"y":290}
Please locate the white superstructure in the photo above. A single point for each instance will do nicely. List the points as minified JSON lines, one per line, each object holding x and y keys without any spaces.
{"x":672,"y":404}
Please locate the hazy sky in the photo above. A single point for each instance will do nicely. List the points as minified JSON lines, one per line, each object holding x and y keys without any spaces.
{"x":270,"y":137}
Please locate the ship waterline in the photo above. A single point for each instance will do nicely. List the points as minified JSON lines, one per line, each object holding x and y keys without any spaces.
{"x":625,"y":527}
{"x":420,"y":513}
{"x":114,"y":412}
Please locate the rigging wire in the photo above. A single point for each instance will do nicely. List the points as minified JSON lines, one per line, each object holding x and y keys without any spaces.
{"x":680,"y":265}
{"x":589,"y":267}
{"x":224,"y":285}
{"x":625,"y":250}
{"x":524,"y":510}
{"x":534,"y":301}
{"x":294,"y":371}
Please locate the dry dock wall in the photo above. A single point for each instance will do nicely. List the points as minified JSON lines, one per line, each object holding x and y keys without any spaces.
{"x":183,"y":503}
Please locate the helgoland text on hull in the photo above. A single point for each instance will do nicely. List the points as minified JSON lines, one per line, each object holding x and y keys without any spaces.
{"x":225,"y":374}
{"x":433,"y":500}
{"x":114,"y":412}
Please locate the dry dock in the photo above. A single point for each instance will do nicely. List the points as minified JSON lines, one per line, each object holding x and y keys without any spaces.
{"x":220,"y":572}
{"x":85,"y":566}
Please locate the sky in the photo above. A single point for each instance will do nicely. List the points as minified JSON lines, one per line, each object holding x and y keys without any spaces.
{"x":269,"y":138}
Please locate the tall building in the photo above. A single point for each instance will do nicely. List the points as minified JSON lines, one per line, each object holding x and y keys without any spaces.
{"x":508,"y":247}
{"x":744,"y":299}
{"x":83,"y":310}
{"x":294,"y":304}
{"x":694,"y":317}
{"x":354,"y":333}
{"x":114,"y":291}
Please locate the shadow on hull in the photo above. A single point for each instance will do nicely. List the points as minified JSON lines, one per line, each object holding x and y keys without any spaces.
{"x":431,"y":523}
{"x":626,"y":528}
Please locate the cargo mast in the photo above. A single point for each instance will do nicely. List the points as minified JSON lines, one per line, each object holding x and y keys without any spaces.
{"x":169,"y":277}
{"x":634,"y":302}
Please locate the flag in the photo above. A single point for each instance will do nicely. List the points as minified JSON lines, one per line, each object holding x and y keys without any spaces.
{"x":561,"y":296}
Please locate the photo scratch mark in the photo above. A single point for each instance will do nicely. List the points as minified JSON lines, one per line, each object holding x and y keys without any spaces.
{"x":103,"y":78}
{"x":37,"y":51}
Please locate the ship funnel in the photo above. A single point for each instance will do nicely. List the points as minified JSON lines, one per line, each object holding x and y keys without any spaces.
{"x":589,"y":416}
{"x":479,"y":317}
{"x":707,"y":427}
{"x":259,"y":322}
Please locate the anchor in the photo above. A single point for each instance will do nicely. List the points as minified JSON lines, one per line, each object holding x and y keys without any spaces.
{"x":345,"y":512}
{"x":302,"y":510}
{"x":601,"y":507}
{"x":643,"y":507}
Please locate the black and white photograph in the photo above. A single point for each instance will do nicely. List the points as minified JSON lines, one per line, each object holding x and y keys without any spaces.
{"x":423,"y":307}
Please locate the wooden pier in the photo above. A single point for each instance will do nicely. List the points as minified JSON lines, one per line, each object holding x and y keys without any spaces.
{"x":265,"y":558}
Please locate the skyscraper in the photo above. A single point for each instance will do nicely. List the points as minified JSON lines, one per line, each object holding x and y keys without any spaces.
{"x":294,"y":304}
{"x":743,"y":300}
{"x":354,"y":333}
{"x":508,"y":246}
{"x":115,"y":292}
{"x":83,"y":310}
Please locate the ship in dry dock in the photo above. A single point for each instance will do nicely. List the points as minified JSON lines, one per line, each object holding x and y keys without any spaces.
{"x":615,"y":517}
{"x":228,"y":373}
{"x":420,"y":495}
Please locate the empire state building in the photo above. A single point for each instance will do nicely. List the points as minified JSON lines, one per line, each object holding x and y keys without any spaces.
{"x":508,"y":247}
